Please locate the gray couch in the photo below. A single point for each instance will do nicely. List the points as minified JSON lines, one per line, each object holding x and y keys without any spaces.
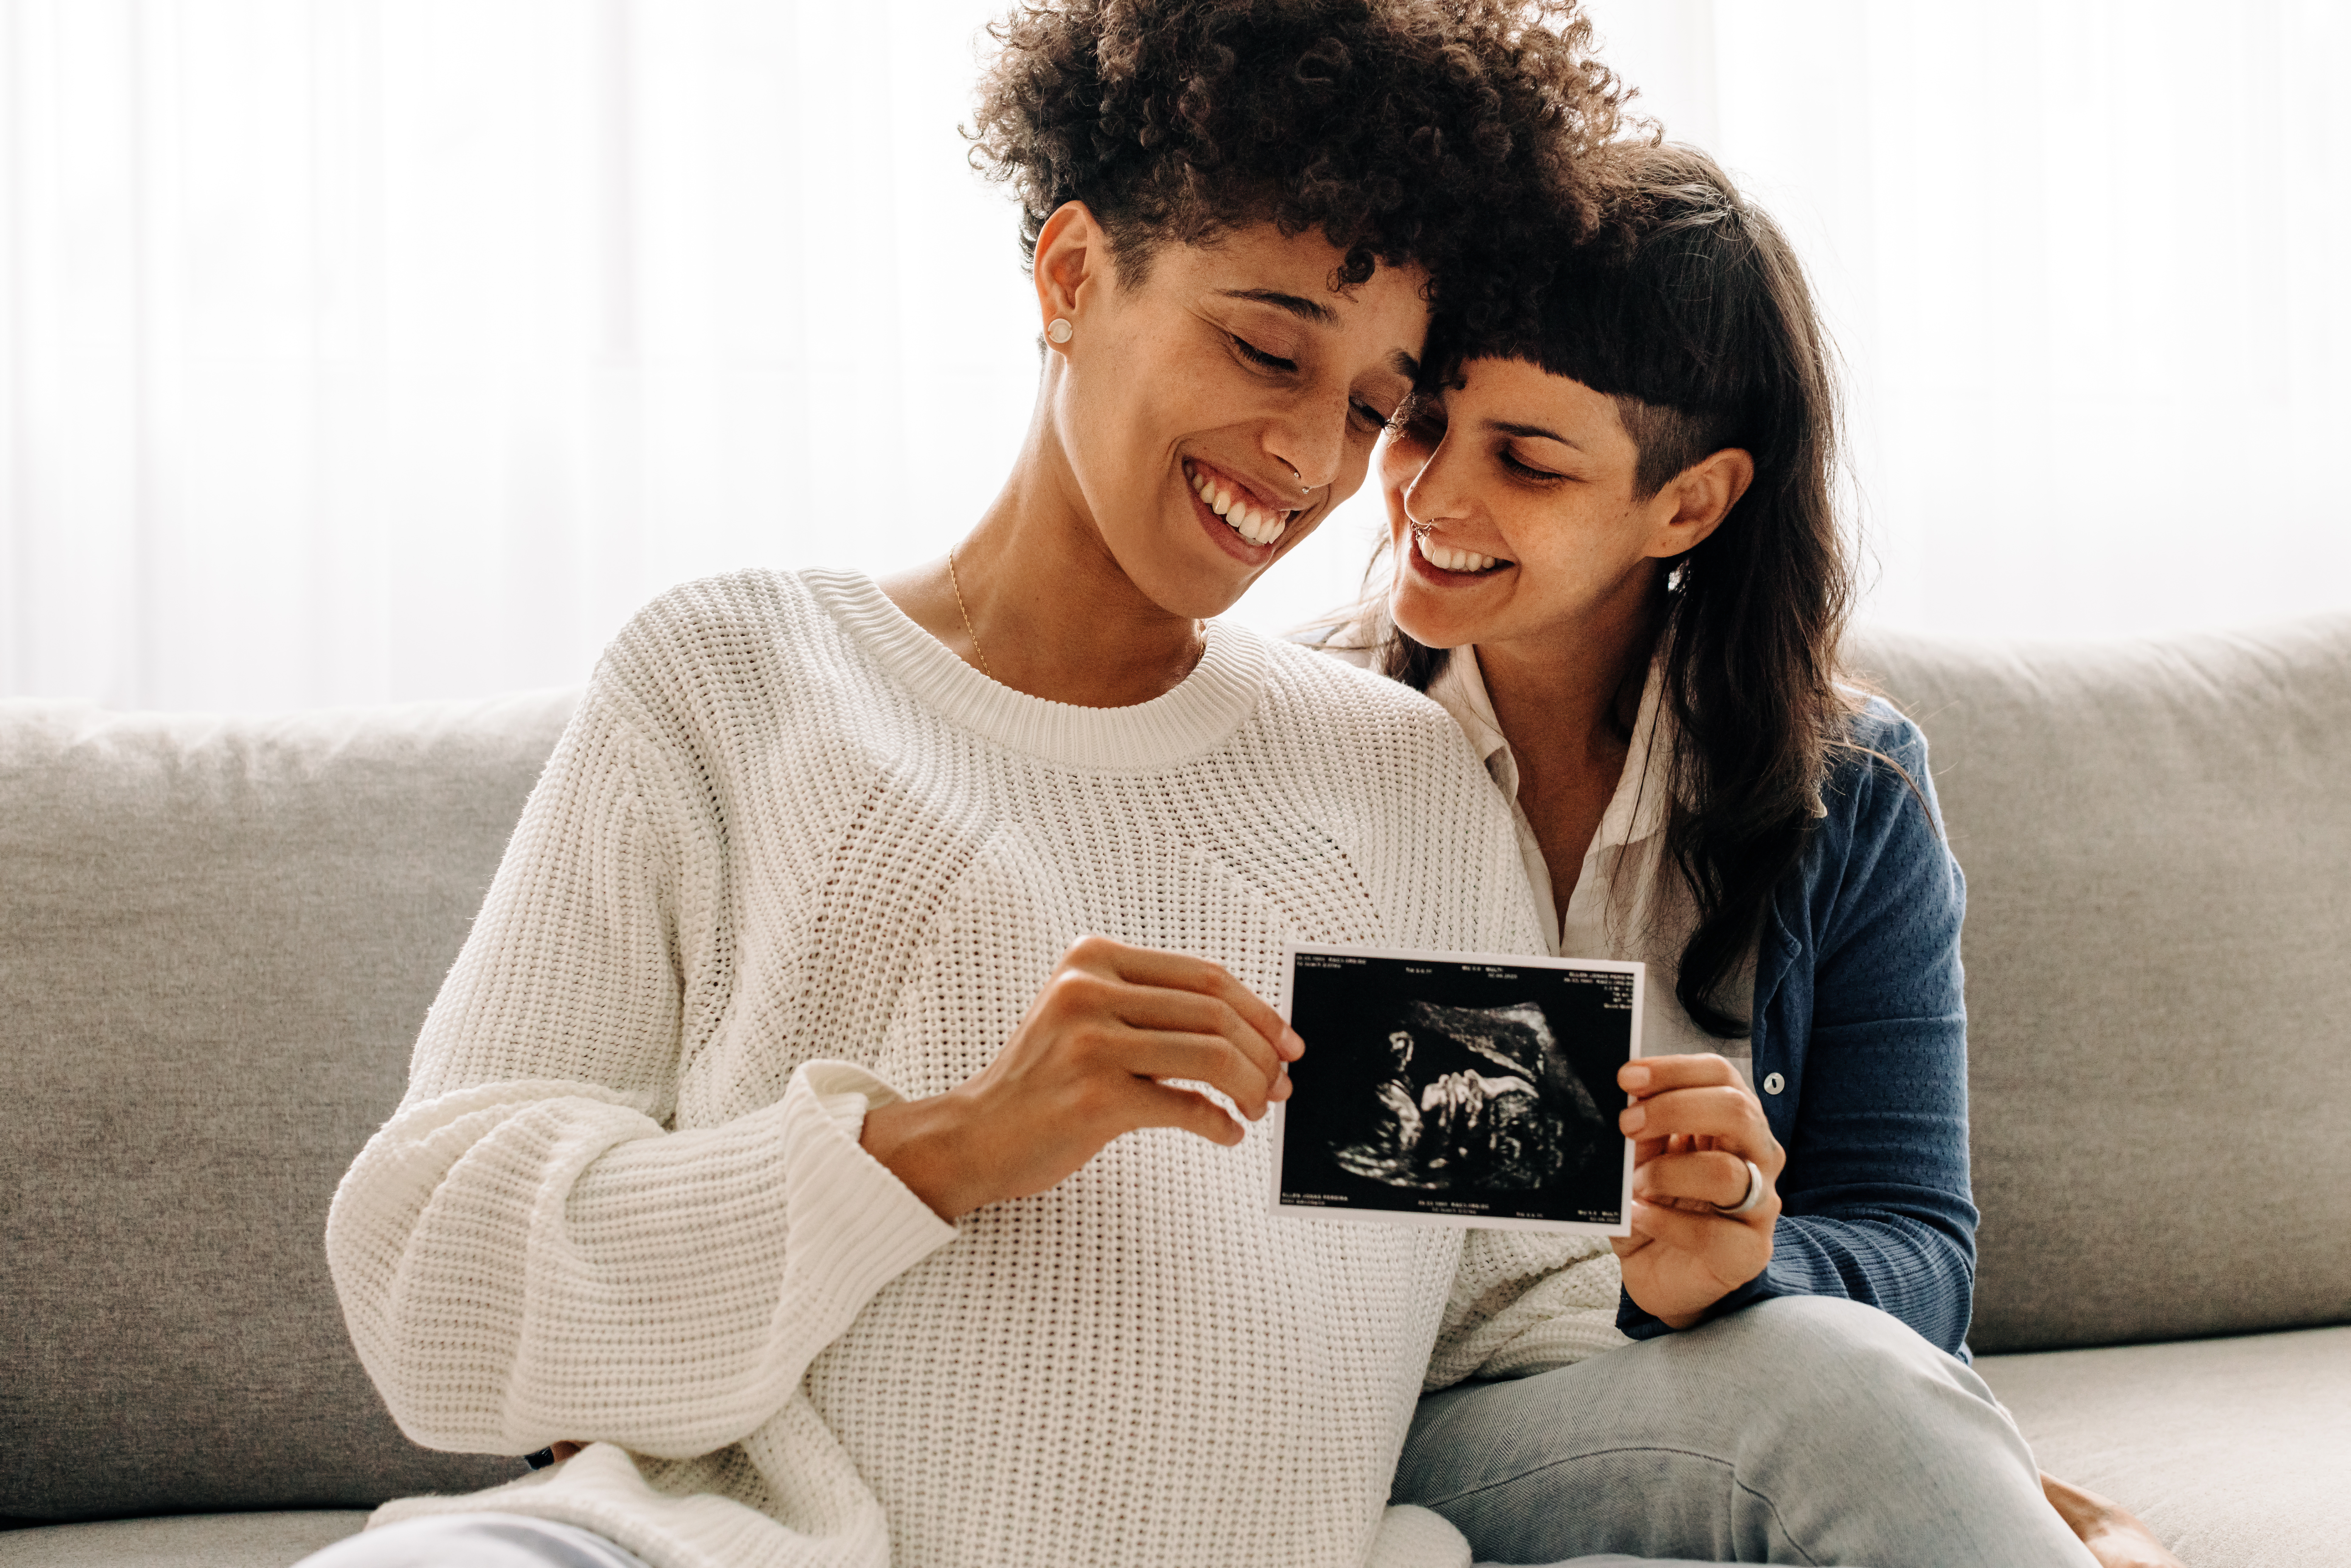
{"x":218,"y":937}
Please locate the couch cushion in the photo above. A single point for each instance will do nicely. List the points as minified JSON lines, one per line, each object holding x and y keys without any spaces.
{"x":2235,"y":1451}
{"x":183,"y":1540}
{"x":2156,"y":838}
{"x":221,"y":939}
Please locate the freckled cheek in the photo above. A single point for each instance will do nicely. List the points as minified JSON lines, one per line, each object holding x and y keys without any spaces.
{"x":1400,"y":455}
{"x":1396,"y":470}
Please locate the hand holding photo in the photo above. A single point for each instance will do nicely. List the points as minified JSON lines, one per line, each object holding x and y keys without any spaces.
{"x":1457,"y":1089}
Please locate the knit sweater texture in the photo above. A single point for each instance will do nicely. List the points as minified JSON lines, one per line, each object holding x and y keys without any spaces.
{"x":793,"y":860}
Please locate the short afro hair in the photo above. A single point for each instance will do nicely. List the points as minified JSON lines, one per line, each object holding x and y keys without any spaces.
{"x":1447,"y":133}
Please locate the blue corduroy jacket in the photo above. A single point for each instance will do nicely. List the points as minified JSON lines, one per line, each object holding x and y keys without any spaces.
{"x":1860,"y":1052}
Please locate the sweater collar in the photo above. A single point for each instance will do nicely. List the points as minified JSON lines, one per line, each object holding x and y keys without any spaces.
{"x":1199,"y":713}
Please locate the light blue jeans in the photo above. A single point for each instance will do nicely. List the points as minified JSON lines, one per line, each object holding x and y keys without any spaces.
{"x":1801,"y":1429}
{"x":1798,"y":1430}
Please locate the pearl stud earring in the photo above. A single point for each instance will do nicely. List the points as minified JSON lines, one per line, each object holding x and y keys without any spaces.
{"x":1059,"y":329}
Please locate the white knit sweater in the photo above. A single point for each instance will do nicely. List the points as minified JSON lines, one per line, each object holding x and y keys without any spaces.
{"x":793,"y":858}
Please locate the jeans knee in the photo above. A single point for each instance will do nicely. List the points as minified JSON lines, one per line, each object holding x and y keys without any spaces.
{"x":1843,"y":1358}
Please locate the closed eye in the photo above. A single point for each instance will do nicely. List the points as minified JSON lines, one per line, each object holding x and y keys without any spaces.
{"x":1258,"y":357}
{"x":1528,"y":471}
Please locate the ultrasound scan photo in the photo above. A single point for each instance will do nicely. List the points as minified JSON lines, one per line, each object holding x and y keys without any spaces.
{"x":1478,"y":1097}
{"x":1443,"y":1089}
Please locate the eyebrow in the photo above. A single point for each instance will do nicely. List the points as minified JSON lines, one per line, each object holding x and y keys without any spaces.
{"x":1303,"y":309}
{"x":1535,"y":430}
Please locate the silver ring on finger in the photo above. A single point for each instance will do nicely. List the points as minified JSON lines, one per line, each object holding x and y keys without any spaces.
{"x":1754,"y":1193}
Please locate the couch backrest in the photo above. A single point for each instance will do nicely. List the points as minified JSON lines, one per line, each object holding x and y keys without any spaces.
{"x":218,"y":939}
{"x":2156,"y":838}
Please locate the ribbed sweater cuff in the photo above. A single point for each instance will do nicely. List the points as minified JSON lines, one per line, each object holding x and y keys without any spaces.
{"x":855,"y":1226}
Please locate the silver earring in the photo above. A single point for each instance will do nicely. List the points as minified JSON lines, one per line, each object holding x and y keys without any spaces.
{"x":1059,"y":329}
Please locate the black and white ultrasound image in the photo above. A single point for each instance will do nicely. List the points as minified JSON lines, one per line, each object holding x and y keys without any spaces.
{"x":1474,"y":1098}
{"x":1442,"y":1088}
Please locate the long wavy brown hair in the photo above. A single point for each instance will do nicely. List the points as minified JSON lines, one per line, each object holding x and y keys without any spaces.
{"x":1689,"y":307}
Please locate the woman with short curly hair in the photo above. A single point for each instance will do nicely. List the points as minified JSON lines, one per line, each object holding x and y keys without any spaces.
{"x":835,"y":1129}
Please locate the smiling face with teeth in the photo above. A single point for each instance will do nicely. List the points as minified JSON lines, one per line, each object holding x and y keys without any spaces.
{"x":1515,"y":517}
{"x":1204,"y":405}
{"x":1214,"y":401}
{"x":1246,"y":512}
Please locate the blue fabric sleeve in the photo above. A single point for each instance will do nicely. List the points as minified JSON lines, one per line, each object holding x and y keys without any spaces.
{"x":1860,"y":1010}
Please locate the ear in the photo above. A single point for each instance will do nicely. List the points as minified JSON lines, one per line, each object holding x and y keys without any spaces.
{"x":1072,"y":263}
{"x":1692,"y":503}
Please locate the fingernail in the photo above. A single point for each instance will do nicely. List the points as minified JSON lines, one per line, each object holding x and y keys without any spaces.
{"x":1282,"y":1087}
{"x":1635,"y":1119}
{"x":1293,"y":1044}
{"x":1633,"y":1075}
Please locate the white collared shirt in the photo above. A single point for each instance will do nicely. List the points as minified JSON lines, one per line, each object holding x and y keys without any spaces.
{"x":1629,"y":902}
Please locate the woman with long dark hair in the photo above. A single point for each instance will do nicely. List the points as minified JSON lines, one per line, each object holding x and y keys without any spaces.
{"x":1616,"y":561}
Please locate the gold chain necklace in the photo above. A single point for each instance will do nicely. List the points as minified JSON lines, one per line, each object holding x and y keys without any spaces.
{"x":956,"y":582}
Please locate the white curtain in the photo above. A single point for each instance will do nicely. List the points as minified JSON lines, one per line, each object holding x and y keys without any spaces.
{"x":364,"y":350}
{"x":374,"y":349}
{"x":2089,"y":263}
